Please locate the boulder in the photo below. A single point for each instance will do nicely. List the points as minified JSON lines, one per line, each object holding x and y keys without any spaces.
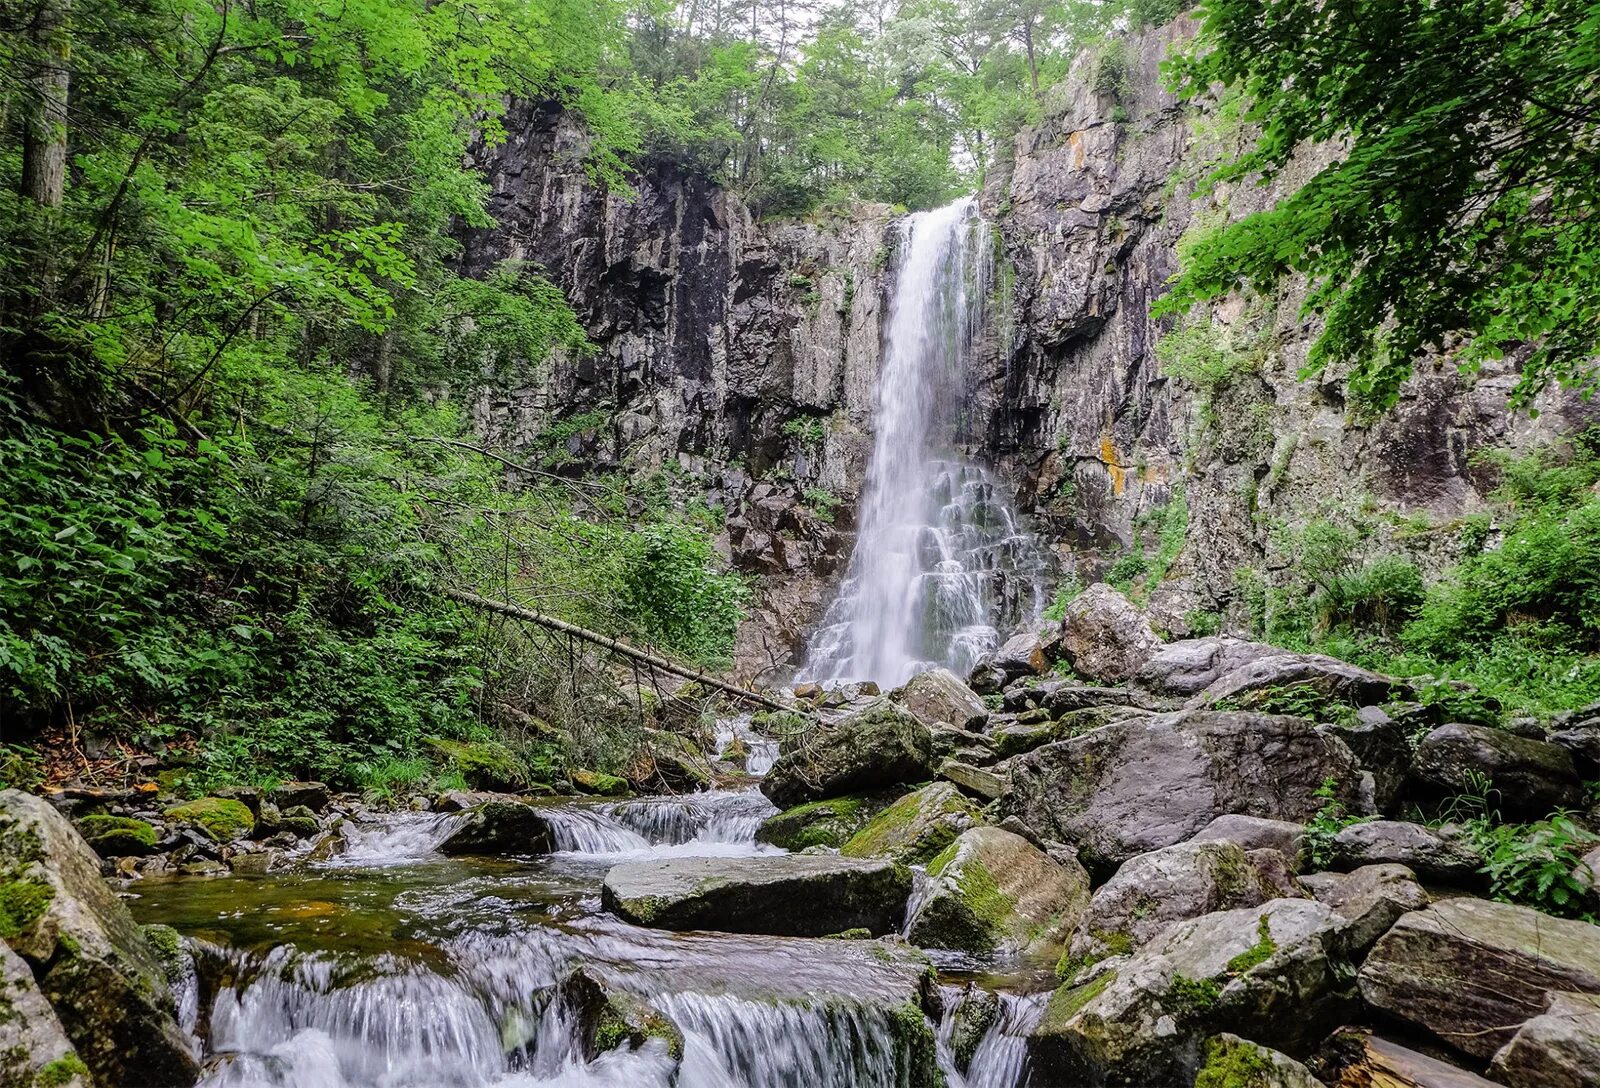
{"x":220,"y":819}
{"x":1064,"y":698}
{"x":991,"y":891}
{"x":118,"y":836}
{"x":1579,"y":733}
{"x":1144,"y":783}
{"x":1255,"y":833}
{"x":1262,"y":681}
{"x":979,"y":782}
{"x":790,"y":895}
{"x":879,"y":746}
{"x":462,"y":800}
{"x":1443,"y":854}
{"x":1587,"y":873}
{"x":313,"y":795}
{"x":1154,"y":890}
{"x":1189,"y":666}
{"x":915,"y":827}
{"x":1104,"y":637}
{"x":1560,"y":1048}
{"x":986,"y":678}
{"x":938,"y":695}
{"x":1471,"y":971}
{"x":85,"y":953}
{"x":34,"y":1049}
{"x":828,"y":823}
{"x":1532,"y":777}
{"x":1381,"y":748}
{"x":1277,"y":974}
{"x":609,"y":1016}
{"x":1371,"y":898}
{"x":1022,"y":654}
{"x":500,"y":827}
{"x":1232,"y":1062}
{"x":602,"y":784}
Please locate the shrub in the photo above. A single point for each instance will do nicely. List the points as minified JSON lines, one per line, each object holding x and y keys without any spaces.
{"x":1332,"y":818}
{"x":1381,"y":597}
{"x":1536,"y":864}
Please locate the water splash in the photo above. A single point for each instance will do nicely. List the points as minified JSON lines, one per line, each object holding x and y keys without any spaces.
{"x":941,"y":563}
{"x":392,"y":838}
{"x":1001,"y":1057}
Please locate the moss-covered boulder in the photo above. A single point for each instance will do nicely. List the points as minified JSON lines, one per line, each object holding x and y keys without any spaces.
{"x":500,"y":827}
{"x":88,"y":957}
{"x":220,"y":819}
{"x":1232,"y":1062}
{"x":34,"y":1049}
{"x":485,"y":764}
{"x":880,"y":746}
{"x":788,"y":895}
{"x":991,"y":891}
{"x":118,"y":836}
{"x":828,"y":823}
{"x":609,"y":1017}
{"x":916,"y":827}
{"x":599,"y":783}
{"x":667,"y":762}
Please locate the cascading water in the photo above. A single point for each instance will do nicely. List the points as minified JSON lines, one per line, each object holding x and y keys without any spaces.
{"x":941,"y":564}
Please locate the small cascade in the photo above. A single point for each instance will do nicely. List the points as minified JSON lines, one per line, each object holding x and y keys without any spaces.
{"x":582,"y":829}
{"x":717,"y":821}
{"x":1000,"y":1059}
{"x":393,"y":839}
{"x":759,"y":752}
{"x":941,"y":563}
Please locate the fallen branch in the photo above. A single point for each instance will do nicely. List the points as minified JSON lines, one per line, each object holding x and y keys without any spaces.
{"x":700,"y":676}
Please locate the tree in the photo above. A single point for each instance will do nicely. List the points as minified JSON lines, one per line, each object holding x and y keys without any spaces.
{"x":1459,"y":211}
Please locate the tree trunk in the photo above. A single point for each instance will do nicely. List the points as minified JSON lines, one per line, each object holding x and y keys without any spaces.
{"x":44,"y":130}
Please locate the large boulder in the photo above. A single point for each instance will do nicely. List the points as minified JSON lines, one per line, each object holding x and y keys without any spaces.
{"x":1444,"y":853}
{"x":1191,"y":665}
{"x":1277,"y":974}
{"x":881,"y":745}
{"x":1145,"y":783}
{"x":829,"y":822}
{"x":1255,"y":833}
{"x":1232,"y":1062}
{"x":1382,"y":749}
{"x":1559,"y":1048}
{"x":916,"y":827}
{"x":1263,"y":681}
{"x":34,"y":1049}
{"x":86,"y":954}
{"x":1356,"y":1059}
{"x":1154,"y":890}
{"x":1023,"y":654}
{"x":1471,"y":971}
{"x":788,"y":895}
{"x":1371,"y":898}
{"x":500,"y":827}
{"x":1104,"y":637}
{"x":938,"y":695}
{"x":1531,"y":777}
{"x":991,"y":891}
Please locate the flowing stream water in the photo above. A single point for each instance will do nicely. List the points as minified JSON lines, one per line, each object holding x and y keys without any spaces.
{"x":394,"y":966}
{"x":941,"y":564}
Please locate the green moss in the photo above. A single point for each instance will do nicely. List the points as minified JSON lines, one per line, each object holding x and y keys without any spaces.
{"x":222,"y":819}
{"x":1193,"y":996}
{"x":625,"y":1019}
{"x":22,"y":902}
{"x":167,"y":945}
{"x":913,"y":1032}
{"x":606,"y":785}
{"x":64,"y":1070}
{"x":1234,"y":1063}
{"x":912,"y":829}
{"x":485,"y":764}
{"x":1068,"y":1001}
{"x":976,"y":1017}
{"x":93,"y":827}
{"x":858,"y":934}
{"x":1264,"y":947}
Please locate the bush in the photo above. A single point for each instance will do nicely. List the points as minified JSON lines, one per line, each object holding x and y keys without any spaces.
{"x":1536,"y":864}
{"x":672,"y":593}
{"x":1381,"y":597}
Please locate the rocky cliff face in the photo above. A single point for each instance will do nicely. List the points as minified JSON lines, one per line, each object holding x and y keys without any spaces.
{"x":743,"y":357}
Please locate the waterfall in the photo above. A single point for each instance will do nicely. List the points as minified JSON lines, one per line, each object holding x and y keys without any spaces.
{"x":941,"y":564}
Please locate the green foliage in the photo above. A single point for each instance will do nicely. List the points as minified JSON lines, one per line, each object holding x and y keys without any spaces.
{"x":1316,"y":848}
{"x":1257,"y":953}
{"x":1067,"y":592}
{"x":823,"y":503}
{"x":673,"y":596}
{"x":1381,"y":597}
{"x":807,"y":431}
{"x":1536,"y":864}
{"x":1422,"y":228}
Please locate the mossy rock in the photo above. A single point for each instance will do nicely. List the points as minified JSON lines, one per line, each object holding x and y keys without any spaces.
{"x":823,"y":823}
{"x":222,"y":819}
{"x":118,"y":836}
{"x":22,"y":902}
{"x":910,"y":1028}
{"x":167,"y":945}
{"x":916,"y":827}
{"x":485,"y":764}
{"x":609,"y":1017}
{"x":1232,"y":1062}
{"x":598,"y":782}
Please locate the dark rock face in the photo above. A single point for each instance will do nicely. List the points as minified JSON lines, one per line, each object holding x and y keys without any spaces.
{"x":790,"y":895}
{"x":86,"y":954}
{"x":883,"y":745}
{"x":500,"y":827}
{"x":1532,"y":776}
{"x":1147,"y":783}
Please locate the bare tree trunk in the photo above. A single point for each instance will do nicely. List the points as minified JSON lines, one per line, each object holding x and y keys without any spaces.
{"x":44,"y":130}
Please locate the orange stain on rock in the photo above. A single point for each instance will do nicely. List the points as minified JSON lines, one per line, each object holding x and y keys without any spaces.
{"x":1114,"y":469}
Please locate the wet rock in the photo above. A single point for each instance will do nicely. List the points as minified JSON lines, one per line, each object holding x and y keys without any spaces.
{"x":823,"y":823}
{"x":915,"y":827}
{"x":1471,"y":971}
{"x":1356,"y":1059}
{"x":807,"y":691}
{"x":313,"y":795}
{"x":1532,"y":776}
{"x":792,"y":895}
{"x":975,"y":781}
{"x":218,"y":818}
{"x":300,"y":822}
{"x":976,"y":1011}
{"x":1255,"y":833}
{"x":1106,"y":638}
{"x":1277,"y":974}
{"x":1559,"y":1048}
{"x":462,"y":800}
{"x":118,"y":836}
{"x":1021,"y":655}
{"x":34,"y":1049}
{"x":609,"y":1017}
{"x":255,"y":864}
{"x":1232,"y":1062}
{"x":1149,"y":782}
{"x":992,"y":891}
{"x":938,"y":695}
{"x":86,"y":954}
{"x":1443,"y":854}
{"x":1154,"y":890}
{"x":500,"y":827}
{"x":879,"y":746}
{"x":1371,"y":898}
